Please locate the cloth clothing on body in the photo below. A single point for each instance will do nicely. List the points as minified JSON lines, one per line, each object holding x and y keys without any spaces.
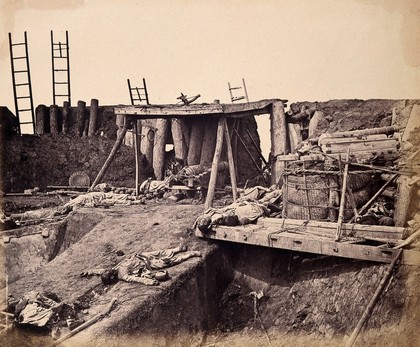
{"x":141,"y":267}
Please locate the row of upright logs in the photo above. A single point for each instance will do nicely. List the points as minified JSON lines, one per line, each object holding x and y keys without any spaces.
{"x":53,"y":120}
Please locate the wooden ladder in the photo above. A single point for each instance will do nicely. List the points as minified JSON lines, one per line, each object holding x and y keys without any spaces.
{"x":22,"y":87}
{"x":138,"y":94}
{"x":241,"y":97}
{"x":60,"y":60}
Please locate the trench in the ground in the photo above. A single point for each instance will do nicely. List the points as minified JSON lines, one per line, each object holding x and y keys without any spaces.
{"x":301,"y":293}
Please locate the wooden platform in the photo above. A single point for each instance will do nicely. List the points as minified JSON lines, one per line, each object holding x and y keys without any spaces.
{"x":366,"y":243}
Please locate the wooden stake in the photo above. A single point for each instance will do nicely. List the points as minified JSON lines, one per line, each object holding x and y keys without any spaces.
{"x":110,"y":158}
{"x":279,"y":146}
{"x":54,"y":119}
{"x":195,"y":143}
{"x":137,"y":155}
{"x":373,"y":301}
{"x":214,"y":166}
{"x":343,"y":198}
{"x":93,"y":117}
{"x":208,"y":142}
{"x":66,"y":117}
{"x":41,"y":111}
{"x":162,"y":126}
{"x":80,"y":119}
{"x":177,"y":135}
{"x":232,"y":171}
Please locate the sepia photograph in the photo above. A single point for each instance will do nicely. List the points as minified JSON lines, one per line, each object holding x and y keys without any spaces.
{"x":209,"y":173}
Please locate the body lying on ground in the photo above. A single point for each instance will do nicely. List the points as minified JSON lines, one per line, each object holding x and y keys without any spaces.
{"x":144,"y":267}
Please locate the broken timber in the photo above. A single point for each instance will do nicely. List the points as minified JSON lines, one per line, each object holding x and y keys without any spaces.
{"x":318,"y":238}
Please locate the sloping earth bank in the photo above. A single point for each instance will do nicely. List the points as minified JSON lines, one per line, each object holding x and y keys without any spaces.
{"x":308,"y":300}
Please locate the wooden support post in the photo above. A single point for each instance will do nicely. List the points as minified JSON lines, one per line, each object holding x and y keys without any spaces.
{"x":404,"y":189}
{"x":177,"y":135}
{"x":93,"y":117}
{"x":110,"y":158}
{"x":232,"y":171}
{"x":137,"y":155}
{"x":54,"y":119}
{"x":162,"y":126}
{"x":41,"y":116}
{"x":215,"y":164}
{"x":373,"y":301}
{"x":80,"y":118}
{"x":343,"y":198}
{"x":196,"y":139}
{"x":278,"y":140}
{"x":208,"y":142}
{"x":66,"y":117}
{"x":147,"y":141}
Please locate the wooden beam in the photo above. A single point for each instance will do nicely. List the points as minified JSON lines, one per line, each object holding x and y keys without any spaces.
{"x":328,"y":229}
{"x":195,"y":143}
{"x":214,"y":109}
{"x":137,"y":156}
{"x":111,"y":156}
{"x":179,"y":143}
{"x":215,"y":164}
{"x":254,"y":235}
{"x":232,"y":171}
{"x":162,"y":126}
{"x":279,"y":141}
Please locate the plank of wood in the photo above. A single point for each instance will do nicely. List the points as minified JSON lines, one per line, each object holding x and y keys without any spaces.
{"x":213,"y":175}
{"x":329,"y":228}
{"x":307,"y":244}
{"x":232,"y":171}
{"x":110,"y":158}
{"x":279,"y":137}
{"x":214,"y":109}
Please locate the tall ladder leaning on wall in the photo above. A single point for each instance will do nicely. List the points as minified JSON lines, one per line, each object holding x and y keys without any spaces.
{"x":60,"y":62}
{"x":22,"y":86}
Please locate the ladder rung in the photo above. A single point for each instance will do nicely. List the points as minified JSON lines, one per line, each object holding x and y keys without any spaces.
{"x":25,"y":109}
{"x":20,"y":71}
{"x":26,"y":123}
{"x":60,"y":70}
{"x":233,"y":88}
{"x":61,"y":82}
{"x":18,"y":44}
{"x":22,"y":84}
{"x":16,"y":58}
{"x":23,"y":97}
{"x":61,"y":95}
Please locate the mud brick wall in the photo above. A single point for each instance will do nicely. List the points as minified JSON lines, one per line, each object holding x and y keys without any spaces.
{"x":32,"y":161}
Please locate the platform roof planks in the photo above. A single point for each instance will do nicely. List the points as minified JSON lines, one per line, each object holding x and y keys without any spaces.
{"x":324,"y":194}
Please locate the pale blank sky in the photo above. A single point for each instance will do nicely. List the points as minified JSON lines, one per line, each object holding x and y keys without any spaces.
{"x":297,"y":50}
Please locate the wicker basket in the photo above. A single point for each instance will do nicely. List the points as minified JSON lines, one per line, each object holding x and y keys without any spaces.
{"x":317,"y":197}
